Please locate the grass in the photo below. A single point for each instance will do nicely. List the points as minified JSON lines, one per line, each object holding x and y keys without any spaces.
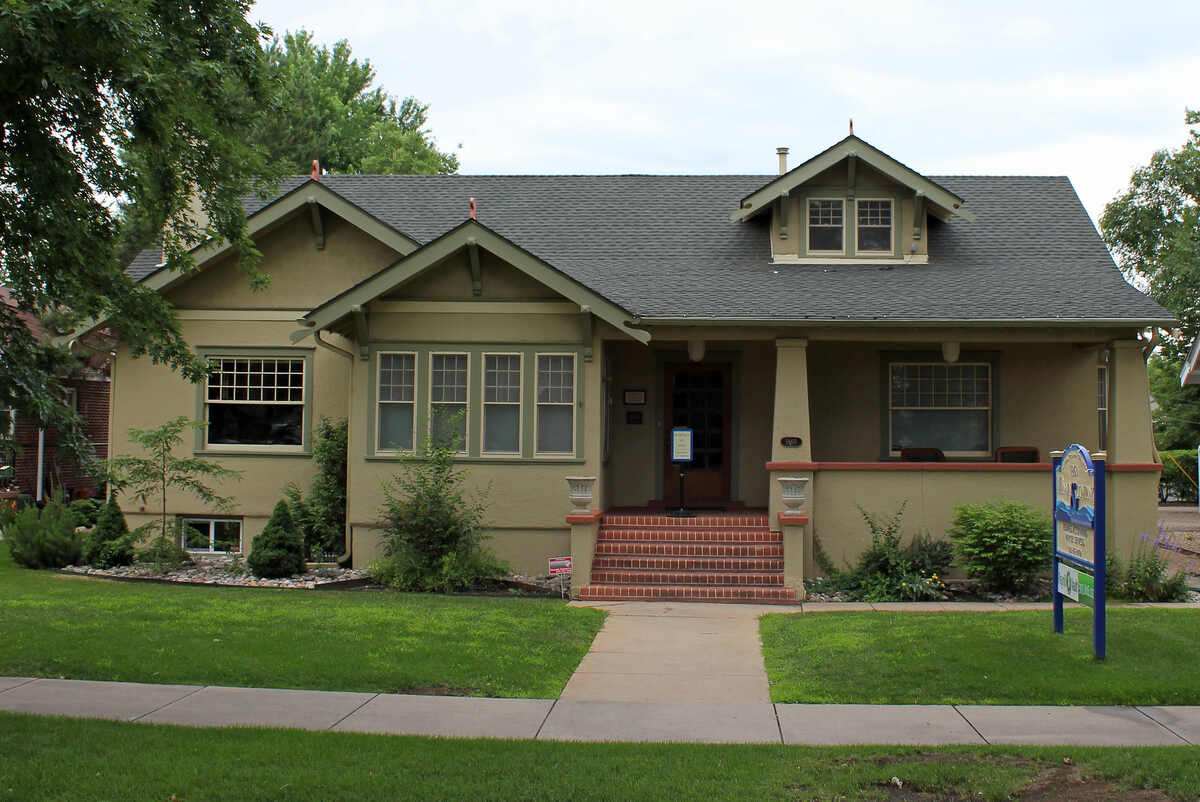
{"x":983,"y":658}
{"x":49,"y":758}
{"x":52,"y":625}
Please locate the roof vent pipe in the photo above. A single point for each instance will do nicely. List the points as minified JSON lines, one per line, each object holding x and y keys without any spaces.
{"x":315,"y":175}
{"x":783,"y":152}
{"x":471,"y":205}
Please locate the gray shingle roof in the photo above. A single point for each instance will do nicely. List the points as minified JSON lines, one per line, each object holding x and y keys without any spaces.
{"x":664,"y":247}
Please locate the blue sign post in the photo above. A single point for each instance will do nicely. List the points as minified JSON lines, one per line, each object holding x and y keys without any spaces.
{"x":1078,"y":498}
{"x":682,"y":453}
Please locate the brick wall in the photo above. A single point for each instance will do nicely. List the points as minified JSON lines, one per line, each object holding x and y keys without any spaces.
{"x":58,"y":471}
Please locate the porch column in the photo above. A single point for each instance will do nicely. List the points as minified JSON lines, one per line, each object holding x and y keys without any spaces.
{"x":791,"y":424}
{"x":1133,"y":476}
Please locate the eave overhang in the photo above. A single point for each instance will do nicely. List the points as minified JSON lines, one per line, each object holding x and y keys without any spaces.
{"x":763,"y":197}
{"x":469,"y":235}
{"x":1191,"y":373}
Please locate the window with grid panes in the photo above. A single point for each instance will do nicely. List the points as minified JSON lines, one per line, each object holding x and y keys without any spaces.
{"x":501,"y":403}
{"x":874,"y":225}
{"x":825,"y":224}
{"x":255,"y":402}
{"x":220,"y":535}
{"x":396,"y":412}
{"x":448,"y":400}
{"x":939,"y":405}
{"x":555,"y":404}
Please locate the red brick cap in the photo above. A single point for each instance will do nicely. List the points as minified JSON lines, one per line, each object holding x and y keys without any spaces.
{"x":589,"y":517}
{"x":792,"y":520}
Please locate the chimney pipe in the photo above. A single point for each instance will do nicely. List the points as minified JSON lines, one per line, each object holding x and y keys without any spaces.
{"x":315,"y":175}
{"x":471,"y":204}
{"x":783,"y":152}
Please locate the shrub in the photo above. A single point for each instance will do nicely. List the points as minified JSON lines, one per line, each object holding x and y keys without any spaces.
{"x":110,"y":542}
{"x":433,"y":532}
{"x":321,"y":516}
{"x":164,"y":553}
{"x":86,"y":511}
{"x":884,"y":556}
{"x":46,"y":538}
{"x":933,"y":557}
{"x":1176,"y":484}
{"x":279,"y":551}
{"x":1146,"y":578}
{"x":1006,"y":544}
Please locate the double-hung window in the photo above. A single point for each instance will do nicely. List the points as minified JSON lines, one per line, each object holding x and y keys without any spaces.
{"x":826,"y":225}
{"x":396,"y":385}
{"x":8,"y":433}
{"x":255,"y":402}
{"x":1102,"y":405}
{"x":874,"y":226}
{"x":555,"y":404}
{"x":448,"y":387}
{"x":502,"y":403}
{"x":943,"y":406}
{"x":213,"y":535}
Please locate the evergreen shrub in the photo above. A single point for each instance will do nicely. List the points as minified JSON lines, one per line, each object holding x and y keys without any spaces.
{"x":44,"y":538}
{"x":110,"y":542}
{"x":279,"y":551}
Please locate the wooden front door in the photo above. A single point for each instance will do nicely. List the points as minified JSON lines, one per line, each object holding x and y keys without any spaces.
{"x":699,"y":397}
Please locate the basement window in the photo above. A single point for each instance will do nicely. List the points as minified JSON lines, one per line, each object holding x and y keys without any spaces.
{"x":212,"y":535}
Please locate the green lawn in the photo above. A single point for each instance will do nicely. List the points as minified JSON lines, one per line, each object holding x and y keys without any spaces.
{"x":53,"y":625}
{"x":983,"y":658}
{"x":49,"y":758}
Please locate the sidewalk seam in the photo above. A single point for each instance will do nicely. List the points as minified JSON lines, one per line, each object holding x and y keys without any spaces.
{"x":538,"y":734}
{"x":168,"y":704}
{"x":778,"y":724}
{"x":1164,"y":726}
{"x":366,"y":702}
{"x":970,"y":724}
{"x":22,"y":684}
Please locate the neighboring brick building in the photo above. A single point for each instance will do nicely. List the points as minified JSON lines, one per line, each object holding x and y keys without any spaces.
{"x":89,"y":388}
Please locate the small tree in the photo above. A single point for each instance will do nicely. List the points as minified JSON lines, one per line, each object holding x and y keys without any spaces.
{"x":153,"y":475}
{"x":279,"y":550}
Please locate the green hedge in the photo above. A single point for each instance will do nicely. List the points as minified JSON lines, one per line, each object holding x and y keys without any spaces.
{"x":1175,"y":485}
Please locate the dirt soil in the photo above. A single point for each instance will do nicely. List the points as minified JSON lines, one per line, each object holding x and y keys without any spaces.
{"x":1178,"y":539}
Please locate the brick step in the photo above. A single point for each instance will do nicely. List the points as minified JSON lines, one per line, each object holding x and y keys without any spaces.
{"x":692,"y":593}
{"x":625,"y":561}
{"x":706,"y":578}
{"x":698,"y":535}
{"x":645,"y":519}
{"x":606,"y":548}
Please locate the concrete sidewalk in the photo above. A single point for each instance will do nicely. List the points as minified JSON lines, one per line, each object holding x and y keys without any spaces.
{"x":545,"y":719}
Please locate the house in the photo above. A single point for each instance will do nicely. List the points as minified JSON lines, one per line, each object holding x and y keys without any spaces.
{"x":32,"y":465}
{"x":843,"y":322}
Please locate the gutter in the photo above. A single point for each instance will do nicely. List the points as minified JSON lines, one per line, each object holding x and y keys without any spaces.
{"x":888,"y":322}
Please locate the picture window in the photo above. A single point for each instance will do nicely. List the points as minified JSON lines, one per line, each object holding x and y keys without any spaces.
{"x":941,"y":405}
{"x":255,"y":402}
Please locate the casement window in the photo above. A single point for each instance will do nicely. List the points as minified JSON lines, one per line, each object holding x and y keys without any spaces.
{"x":941,"y":405}
{"x":212,"y":535}
{"x":448,"y":388}
{"x":395,"y":419}
{"x":826,"y":225}
{"x":1102,"y":405}
{"x":555,"y":404}
{"x":502,"y":403}
{"x":252,"y":401}
{"x":874,"y":226}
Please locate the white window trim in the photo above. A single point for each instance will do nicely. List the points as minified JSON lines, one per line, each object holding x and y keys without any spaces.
{"x":256,"y":447}
{"x":378,"y":403}
{"x":484,"y":404}
{"x":212,"y":532}
{"x":990,"y":407}
{"x":429,"y":402}
{"x":808,"y":225}
{"x":537,"y":412}
{"x":891,"y":249}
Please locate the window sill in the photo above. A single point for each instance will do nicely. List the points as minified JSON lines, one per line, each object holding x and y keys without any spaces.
{"x":486,"y":460}
{"x":250,"y":452}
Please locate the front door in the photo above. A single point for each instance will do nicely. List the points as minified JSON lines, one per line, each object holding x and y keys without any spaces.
{"x":700,"y":398}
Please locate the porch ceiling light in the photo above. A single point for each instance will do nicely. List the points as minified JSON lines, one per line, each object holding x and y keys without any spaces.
{"x":950,"y":351}
{"x":695,"y":350}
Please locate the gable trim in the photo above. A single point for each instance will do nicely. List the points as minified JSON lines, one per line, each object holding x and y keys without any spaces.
{"x":850,"y":148}
{"x":468,"y":234}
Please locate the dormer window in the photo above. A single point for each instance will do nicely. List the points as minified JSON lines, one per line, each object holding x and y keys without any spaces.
{"x":826,"y":225}
{"x":874,"y":226}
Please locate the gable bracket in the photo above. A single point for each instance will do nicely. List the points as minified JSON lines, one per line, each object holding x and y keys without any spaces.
{"x":316,"y":223}
{"x":587,"y":330}
{"x":851,"y":169}
{"x":918,"y":213}
{"x":476,"y":270}
{"x":360,"y":331}
{"x":782,"y":215}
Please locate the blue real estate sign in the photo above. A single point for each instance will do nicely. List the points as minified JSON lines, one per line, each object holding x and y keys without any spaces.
{"x":1079,"y":547}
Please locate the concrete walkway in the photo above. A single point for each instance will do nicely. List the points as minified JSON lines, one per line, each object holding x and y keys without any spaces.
{"x":545,"y":719}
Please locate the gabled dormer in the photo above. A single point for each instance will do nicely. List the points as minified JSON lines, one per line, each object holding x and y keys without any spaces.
{"x":853,"y":203}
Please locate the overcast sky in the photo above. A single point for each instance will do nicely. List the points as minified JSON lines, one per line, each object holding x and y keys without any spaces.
{"x":1087,"y":90}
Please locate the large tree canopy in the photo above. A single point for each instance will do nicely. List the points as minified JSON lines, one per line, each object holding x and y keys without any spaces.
{"x":1153,"y":228}
{"x":326,"y":110}
{"x":116,"y":116}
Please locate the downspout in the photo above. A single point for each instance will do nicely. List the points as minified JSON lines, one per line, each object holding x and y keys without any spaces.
{"x":346,"y":557}
{"x":40,"y":463}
